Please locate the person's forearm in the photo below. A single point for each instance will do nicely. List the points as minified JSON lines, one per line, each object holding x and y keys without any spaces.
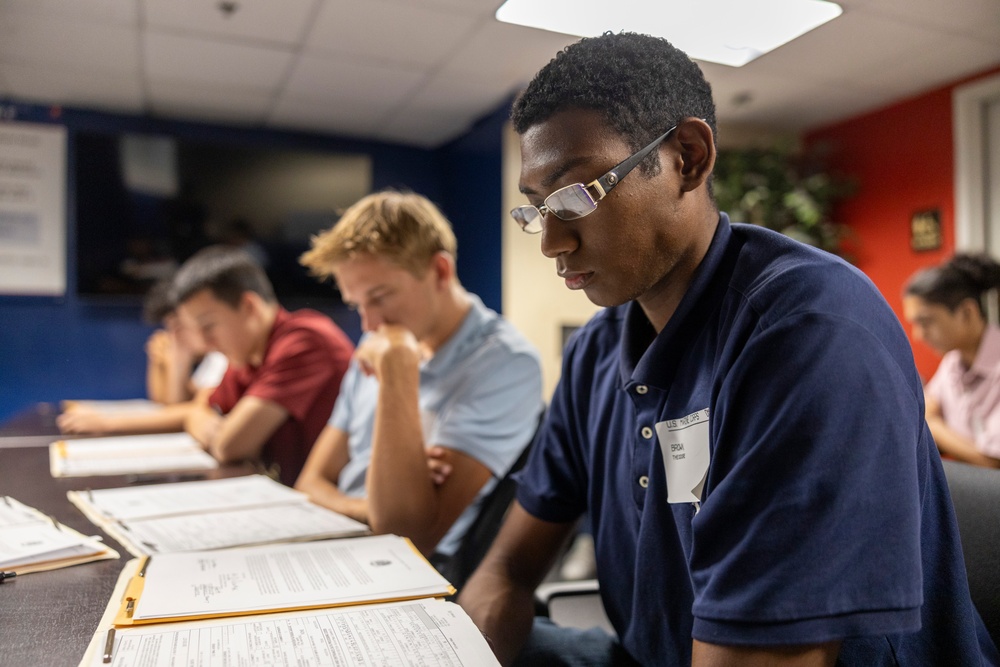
{"x":175,"y":381}
{"x":168,"y":420}
{"x":401,"y":495}
{"x":501,"y":609}
{"x":958,"y":447}
{"x":325,"y":493}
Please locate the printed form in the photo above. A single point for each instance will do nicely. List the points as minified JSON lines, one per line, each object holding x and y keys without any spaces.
{"x":428,"y":633}
{"x":355,"y":570}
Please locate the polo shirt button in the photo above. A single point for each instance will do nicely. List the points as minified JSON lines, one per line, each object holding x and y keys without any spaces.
{"x":647,"y":432}
{"x":644,"y":481}
{"x":641,"y":389}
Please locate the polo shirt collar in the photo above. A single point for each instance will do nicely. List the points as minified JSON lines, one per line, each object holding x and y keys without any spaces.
{"x":651,"y":359}
{"x":455,"y":347}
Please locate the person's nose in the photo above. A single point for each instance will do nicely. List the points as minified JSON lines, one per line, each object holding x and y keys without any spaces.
{"x":371,"y":319}
{"x":558,"y":237}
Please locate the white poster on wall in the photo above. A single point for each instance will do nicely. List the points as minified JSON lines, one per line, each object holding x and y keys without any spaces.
{"x":32,"y":209}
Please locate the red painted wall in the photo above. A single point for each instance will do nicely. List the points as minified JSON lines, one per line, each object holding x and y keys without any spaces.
{"x":902,"y":158}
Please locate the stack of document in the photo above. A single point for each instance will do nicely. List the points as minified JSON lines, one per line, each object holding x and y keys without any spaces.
{"x":128,"y":454}
{"x":211,"y":514}
{"x":31,"y":541}
{"x":358,"y":601}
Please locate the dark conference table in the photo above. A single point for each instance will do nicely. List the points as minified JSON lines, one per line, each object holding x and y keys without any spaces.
{"x":48,"y":618}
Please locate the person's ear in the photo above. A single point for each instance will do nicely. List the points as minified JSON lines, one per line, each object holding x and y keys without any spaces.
{"x":968,"y":310}
{"x":697,"y":152}
{"x":249,"y":304}
{"x":443,"y":266}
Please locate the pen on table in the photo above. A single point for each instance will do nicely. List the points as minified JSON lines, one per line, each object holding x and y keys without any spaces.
{"x":109,"y":645}
{"x":4,"y":576}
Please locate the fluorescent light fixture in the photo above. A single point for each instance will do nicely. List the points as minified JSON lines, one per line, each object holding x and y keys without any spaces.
{"x":730,"y":32}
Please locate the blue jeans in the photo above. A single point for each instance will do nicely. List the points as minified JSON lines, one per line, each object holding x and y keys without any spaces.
{"x":550,"y":645}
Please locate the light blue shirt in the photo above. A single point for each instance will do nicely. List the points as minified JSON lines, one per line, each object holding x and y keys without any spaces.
{"x":480,"y":394}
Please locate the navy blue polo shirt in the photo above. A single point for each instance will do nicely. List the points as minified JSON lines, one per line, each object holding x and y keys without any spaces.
{"x":806,"y":501}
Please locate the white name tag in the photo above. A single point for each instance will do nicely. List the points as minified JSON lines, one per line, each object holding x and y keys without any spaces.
{"x":684,"y":442}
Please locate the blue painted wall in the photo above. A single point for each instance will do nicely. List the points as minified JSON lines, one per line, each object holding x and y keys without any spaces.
{"x":57,"y":348}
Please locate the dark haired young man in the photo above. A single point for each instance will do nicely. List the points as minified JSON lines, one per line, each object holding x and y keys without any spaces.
{"x":285,"y":368}
{"x":743,"y":422}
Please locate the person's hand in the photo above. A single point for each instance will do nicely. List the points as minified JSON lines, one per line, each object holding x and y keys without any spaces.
{"x":389,"y":342}
{"x":438,"y":464}
{"x":81,"y":420}
{"x":158,"y":345}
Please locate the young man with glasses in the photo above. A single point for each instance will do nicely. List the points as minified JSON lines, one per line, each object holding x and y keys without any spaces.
{"x":743,"y":422}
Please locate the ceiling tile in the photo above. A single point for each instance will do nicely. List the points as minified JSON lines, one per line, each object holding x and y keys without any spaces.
{"x":844,"y":49}
{"x":112,"y":11}
{"x":264,"y":20}
{"x":470,"y":7}
{"x":326,"y":79}
{"x":940,"y":61}
{"x":348,"y":118}
{"x":86,"y":88}
{"x":462,"y":93}
{"x":507,"y":54}
{"x":175,"y":58}
{"x":388,"y":31}
{"x":57,"y":41}
{"x":425,"y":130}
{"x":978,"y":18}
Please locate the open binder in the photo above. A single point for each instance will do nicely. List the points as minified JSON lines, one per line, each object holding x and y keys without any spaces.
{"x":210,"y":514}
{"x":365,"y":600}
{"x":286,"y":577}
{"x":128,"y":454}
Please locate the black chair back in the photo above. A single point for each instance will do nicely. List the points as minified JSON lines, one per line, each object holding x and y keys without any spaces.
{"x":975,"y":492}
{"x":480,"y":535}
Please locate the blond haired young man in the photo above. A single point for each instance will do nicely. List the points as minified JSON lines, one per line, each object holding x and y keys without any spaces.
{"x":436,"y":368}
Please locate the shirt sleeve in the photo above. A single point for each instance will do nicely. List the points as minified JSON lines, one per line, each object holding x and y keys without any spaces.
{"x":811,"y":524}
{"x":494,"y":411}
{"x":298,"y":367}
{"x":344,"y":408}
{"x":552,"y":486}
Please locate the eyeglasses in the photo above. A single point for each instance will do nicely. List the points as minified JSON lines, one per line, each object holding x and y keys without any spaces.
{"x":578,"y":200}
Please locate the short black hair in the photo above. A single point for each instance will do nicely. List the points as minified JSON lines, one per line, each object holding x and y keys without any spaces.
{"x":964,"y":276}
{"x":642,"y":85}
{"x":159,"y":302}
{"x":228,"y":272}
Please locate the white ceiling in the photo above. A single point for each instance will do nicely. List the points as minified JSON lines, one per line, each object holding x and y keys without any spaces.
{"x":420,"y":72}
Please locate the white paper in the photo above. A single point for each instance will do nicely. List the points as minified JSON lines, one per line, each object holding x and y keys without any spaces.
{"x":210,"y":514}
{"x":186,"y":497}
{"x":236,"y":527}
{"x":420,"y":633}
{"x":128,"y":454}
{"x":288,"y":576}
{"x":29,"y":537}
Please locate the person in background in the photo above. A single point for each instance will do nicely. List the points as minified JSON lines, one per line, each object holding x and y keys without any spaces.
{"x":285,"y":368}
{"x":179,"y":364}
{"x":436,"y":369}
{"x":743,"y":421}
{"x":953,"y":308}
{"x":178,"y":367}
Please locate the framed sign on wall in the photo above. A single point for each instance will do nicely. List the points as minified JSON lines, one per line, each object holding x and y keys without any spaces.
{"x":32,"y":209}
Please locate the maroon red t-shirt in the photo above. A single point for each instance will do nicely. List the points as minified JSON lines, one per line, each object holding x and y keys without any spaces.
{"x":305,"y":359}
